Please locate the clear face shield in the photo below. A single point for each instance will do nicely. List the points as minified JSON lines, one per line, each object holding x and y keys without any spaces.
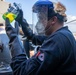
{"x":40,"y":19}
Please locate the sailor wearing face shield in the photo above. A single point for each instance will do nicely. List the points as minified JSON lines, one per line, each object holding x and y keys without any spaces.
{"x":57,"y":54}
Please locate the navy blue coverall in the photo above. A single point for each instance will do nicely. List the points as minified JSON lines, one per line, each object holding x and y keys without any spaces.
{"x":56,"y":56}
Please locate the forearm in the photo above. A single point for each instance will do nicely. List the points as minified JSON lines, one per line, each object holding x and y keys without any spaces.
{"x":16,"y":47}
{"x":36,"y":39}
{"x":26,"y":29}
{"x":22,"y":66}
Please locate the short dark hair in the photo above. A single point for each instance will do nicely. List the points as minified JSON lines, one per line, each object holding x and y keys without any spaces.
{"x":52,"y":13}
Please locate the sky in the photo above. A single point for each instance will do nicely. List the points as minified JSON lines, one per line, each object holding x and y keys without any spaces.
{"x":27,"y":8}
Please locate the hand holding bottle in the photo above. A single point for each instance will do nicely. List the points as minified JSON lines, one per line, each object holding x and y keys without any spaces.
{"x":12,"y":12}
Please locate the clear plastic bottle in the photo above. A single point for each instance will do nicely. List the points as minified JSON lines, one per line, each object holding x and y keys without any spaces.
{"x":12,"y":12}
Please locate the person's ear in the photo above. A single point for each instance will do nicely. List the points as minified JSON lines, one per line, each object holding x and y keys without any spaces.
{"x":53,"y":20}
